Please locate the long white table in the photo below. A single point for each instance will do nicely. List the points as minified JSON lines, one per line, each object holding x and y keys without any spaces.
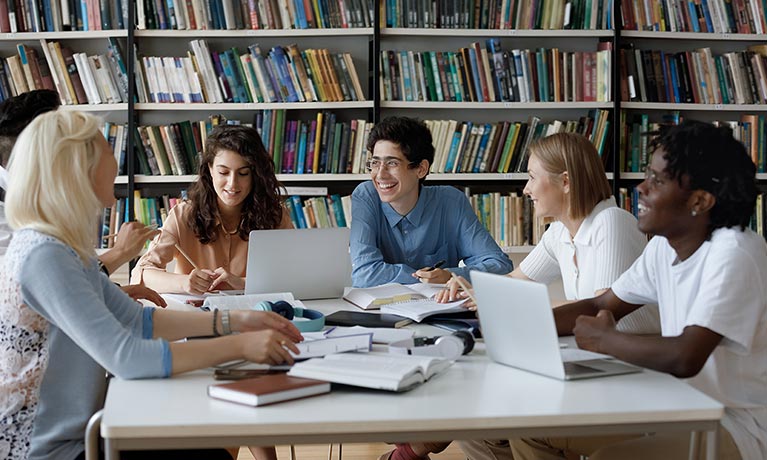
{"x":474,"y":399}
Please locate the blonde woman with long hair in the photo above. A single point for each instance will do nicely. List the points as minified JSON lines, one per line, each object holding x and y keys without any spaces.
{"x":64,"y":325}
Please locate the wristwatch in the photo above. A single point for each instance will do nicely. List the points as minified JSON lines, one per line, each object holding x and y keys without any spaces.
{"x":225,"y":324}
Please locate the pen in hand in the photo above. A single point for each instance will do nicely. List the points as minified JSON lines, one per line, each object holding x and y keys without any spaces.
{"x":436,"y":266}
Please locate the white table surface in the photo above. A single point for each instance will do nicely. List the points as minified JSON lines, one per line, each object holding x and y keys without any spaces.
{"x":474,"y":399}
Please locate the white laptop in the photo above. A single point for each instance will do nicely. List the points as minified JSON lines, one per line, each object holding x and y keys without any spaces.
{"x":519,"y":331}
{"x":312,"y":263}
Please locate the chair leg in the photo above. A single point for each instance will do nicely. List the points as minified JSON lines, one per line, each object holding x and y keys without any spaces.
{"x":292,"y":452}
{"x":92,"y":436}
{"x":330,"y":451}
{"x":340,"y":451}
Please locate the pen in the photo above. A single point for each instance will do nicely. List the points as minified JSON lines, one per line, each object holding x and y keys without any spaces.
{"x":186,"y":256}
{"x":436,"y":266}
{"x":112,"y":235}
{"x":464,"y":287}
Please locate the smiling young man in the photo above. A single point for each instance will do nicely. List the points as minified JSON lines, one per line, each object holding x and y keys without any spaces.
{"x":707,"y":273}
{"x":403,"y":231}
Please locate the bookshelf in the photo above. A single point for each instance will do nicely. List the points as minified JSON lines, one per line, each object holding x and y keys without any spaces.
{"x":368,"y":36}
{"x":719,"y":45}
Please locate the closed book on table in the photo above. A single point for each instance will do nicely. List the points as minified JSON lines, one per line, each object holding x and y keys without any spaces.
{"x":358,"y":318}
{"x":268,"y":389}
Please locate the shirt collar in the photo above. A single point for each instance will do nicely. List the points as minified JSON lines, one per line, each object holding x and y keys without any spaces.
{"x":586,"y":230}
{"x":414,"y":216}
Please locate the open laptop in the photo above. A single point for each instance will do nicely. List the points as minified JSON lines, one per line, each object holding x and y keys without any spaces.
{"x":519,"y":330}
{"x":311,"y":263}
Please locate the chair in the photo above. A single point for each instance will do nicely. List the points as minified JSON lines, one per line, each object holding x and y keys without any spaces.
{"x":92,"y":436}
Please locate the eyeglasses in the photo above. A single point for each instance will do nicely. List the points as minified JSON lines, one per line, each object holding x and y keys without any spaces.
{"x":390,"y":164}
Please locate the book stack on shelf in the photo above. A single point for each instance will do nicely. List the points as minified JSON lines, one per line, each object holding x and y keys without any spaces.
{"x":710,"y":16}
{"x":320,"y":212}
{"x":284,"y":74}
{"x":78,"y":78}
{"x":697,"y":76}
{"x":492,"y":14}
{"x":510,"y":219}
{"x":321,"y":145}
{"x":62,"y":15}
{"x":518,"y":75}
{"x":254,"y":14}
{"x":501,"y":147}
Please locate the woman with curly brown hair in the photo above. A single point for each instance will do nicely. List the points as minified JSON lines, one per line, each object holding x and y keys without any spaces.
{"x":236,"y":192}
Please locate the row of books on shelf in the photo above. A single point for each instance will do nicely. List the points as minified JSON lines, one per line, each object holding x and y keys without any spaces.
{"x":500,"y":14}
{"x":319,"y":145}
{"x":749,"y":129}
{"x":712,"y":16}
{"x":253,"y":14}
{"x":696,"y":76}
{"x":320,"y":212}
{"x":490,"y":74}
{"x":148,"y":211}
{"x":61,"y":15}
{"x":510,"y":218}
{"x":466,"y":147}
{"x":283,"y":74}
{"x":78,"y":78}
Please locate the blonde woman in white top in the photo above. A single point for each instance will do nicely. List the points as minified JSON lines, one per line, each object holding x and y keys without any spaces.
{"x":591,"y":241}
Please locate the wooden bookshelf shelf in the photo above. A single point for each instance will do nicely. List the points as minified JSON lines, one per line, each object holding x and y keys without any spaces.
{"x":400,"y":31}
{"x":693,"y":36}
{"x":517,"y":249}
{"x":280,"y":33}
{"x":206,"y":107}
{"x":695,"y":107}
{"x":632,"y":175}
{"x":97,"y":107}
{"x":76,"y":35}
{"x":496,"y":105}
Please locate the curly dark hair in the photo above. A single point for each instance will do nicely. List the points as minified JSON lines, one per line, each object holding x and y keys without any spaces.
{"x":410,"y":134}
{"x":714,"y":161}
{"x":18,"y":111}
{"x":262,"y":209}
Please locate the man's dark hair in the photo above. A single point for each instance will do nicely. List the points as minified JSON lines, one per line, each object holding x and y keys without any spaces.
{"x":714,"y":161}
{"x":410,"y":134}
{"x":17,"y":112}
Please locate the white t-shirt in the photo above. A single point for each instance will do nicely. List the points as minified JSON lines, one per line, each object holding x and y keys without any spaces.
{"x":606,"y":244}
{"x":720,"y":287}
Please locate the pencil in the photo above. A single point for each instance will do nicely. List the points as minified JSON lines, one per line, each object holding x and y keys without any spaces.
{"x":186,"y":256}
{"x":464,"y":287}
{"x":112,"y":235}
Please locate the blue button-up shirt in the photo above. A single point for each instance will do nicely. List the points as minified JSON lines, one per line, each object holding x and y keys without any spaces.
{"x":388,"y":248}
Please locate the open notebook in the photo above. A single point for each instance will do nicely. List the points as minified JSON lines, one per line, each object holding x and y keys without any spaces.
{"x":414,"y":301}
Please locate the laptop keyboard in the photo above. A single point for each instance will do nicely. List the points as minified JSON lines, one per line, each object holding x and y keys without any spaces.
{"x":579,"y":369}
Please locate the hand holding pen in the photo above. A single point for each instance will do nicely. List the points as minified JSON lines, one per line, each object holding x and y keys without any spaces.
{"x":433,"y":274}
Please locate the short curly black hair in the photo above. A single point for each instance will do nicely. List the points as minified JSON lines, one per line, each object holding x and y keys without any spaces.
{"x":714,"y":161}
{"x":18,"y":111}
{"x":412,"y":136}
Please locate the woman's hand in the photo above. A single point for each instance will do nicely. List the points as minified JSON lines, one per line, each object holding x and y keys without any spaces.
{"x":247,"y":320}
{"x":453,"y":292}
{"x":198,"y":281}
{"x":138,"y":292}
{"x":226,"y":280}
{"x":268,"y":347}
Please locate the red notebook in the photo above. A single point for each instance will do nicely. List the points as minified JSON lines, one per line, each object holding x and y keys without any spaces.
{"x":268,"y":389}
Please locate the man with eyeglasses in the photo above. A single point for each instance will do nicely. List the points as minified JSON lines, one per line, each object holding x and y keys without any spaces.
{"x":405,"y":232}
